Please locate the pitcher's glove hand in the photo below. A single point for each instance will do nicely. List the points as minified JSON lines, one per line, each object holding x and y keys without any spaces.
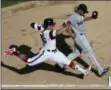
{"x":94,"y":15}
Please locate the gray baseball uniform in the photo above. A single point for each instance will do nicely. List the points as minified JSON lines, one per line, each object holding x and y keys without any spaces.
{"x":78,"y":28}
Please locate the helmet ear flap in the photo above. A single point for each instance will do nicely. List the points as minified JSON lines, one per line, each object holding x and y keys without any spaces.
{"x":45,"y":26}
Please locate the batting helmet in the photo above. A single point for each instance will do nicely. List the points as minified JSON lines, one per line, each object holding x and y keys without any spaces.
{"x":48,"y":21}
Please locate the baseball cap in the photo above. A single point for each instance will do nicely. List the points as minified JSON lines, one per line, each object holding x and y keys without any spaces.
{"x":83,"y":7}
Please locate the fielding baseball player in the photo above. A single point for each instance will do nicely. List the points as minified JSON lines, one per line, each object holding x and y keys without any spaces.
{"x":77,"y":31}
{"x":49,"y":50}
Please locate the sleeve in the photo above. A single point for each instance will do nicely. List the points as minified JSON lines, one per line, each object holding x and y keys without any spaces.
{"x":73,"y":19}
{"x":52,"y":34}
{"x":68,"y":22}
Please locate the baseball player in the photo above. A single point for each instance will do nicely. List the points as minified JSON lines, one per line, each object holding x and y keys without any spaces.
{"x":49,"y":50}
{"x":77,"y":31}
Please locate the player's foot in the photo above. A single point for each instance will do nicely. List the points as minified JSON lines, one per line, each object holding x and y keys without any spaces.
{"x":10,"y":51}
{"x":104,"y":72}
{"x":87,"y":71}
{"x":82,"y":75}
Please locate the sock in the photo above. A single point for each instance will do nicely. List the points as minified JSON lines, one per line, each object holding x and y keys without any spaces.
{"x":72,"y":65}
{"x":21,"y":56}
{"x":76,"y":67}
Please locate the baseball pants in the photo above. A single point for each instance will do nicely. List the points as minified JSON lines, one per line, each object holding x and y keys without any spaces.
{"x":83,"y":43}
{"x":44,"y":55}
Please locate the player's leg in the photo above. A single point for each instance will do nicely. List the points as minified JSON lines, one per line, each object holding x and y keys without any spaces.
{"x":85,"y":46}
{"x":14,"y":52}
{"x":61,"y":58}
{"x":71,"y":57}
{"x":74,"y":54}
{"x":39,"y":58}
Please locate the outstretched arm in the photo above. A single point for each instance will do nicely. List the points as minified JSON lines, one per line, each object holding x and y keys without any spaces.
{"x":87,"y":18}
{"x":93,"y":16}
{"x":36,"y":26}
{"x":71,"y":33}
{"x":69,"y":28}
{"x":61,"y":30}
{"x":65,"y":26}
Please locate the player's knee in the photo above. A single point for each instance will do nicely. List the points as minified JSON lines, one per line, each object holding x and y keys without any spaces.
{"x":30,"y":62}
{"x":88,"y":51}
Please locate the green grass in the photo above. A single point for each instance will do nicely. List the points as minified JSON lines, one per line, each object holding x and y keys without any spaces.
{"x":6,"y":3}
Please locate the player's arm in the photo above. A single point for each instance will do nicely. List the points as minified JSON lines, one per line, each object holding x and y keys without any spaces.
{"x":93,"y":16}
{"x":65,"y":26}
{"x":61,"y":30}
{"x":71,"y":33}
{"x":87,"y":18}
{"x":68,"y":24}
{"x":54,"y":33}
{"x":36,"y":26}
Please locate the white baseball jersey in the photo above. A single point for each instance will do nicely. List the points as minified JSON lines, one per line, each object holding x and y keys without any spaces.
{"x":49,"y":50}
{"x":77,"y":22}
{"x":47,"y":36}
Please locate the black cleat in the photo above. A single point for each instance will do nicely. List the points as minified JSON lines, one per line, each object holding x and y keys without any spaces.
{"x":104,"y":72}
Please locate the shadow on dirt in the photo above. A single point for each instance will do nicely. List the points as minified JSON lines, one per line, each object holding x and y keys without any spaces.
{"x":62,"y":45}
{"x":42,"y":66}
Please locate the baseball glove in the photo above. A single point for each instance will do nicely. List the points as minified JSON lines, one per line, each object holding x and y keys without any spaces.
{"x":94,"y":15}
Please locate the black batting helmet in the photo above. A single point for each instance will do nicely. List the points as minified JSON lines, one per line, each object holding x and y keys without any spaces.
{"x":48,"y":21}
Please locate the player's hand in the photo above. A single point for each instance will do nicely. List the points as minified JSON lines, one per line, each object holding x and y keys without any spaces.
{"x":94,"y":15}
{"x":32,"y":25}
{"x":66,"y":23}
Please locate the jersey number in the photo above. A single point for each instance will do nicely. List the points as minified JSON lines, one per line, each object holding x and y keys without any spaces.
{"x":43,"y":38}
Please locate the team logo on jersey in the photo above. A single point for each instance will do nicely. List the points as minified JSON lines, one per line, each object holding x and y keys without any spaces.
{"x":80,"y":23}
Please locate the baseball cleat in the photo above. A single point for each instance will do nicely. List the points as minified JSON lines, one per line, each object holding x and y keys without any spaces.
{"x":82,"y":75}
{"x":87,"y":71}
{"x":104,"y":72}
{"x":10,"y":51}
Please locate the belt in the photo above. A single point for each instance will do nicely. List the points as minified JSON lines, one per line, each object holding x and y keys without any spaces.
{"x":82,"y":33}
{"x":52,"y":50}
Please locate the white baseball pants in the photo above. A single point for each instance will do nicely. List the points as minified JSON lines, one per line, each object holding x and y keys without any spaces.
{"x":44,"y":55}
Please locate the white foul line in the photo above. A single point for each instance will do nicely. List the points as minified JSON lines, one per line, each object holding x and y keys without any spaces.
{"x":52,"y":85}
